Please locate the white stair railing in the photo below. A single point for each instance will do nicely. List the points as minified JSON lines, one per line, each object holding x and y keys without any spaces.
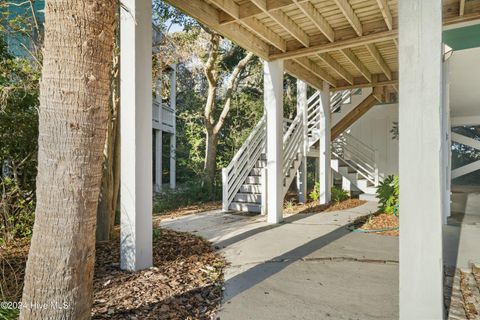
{"x":357,"y":155}
{"x":243,"y":162}
{"x":292,"y":150}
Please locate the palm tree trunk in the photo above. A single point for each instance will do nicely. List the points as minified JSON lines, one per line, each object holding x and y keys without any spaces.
{"x":74,"y":100}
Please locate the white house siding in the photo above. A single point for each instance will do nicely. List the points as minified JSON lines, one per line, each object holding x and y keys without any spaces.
{"x":373,"y":129}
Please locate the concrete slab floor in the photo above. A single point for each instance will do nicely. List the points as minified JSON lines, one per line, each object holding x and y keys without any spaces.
{"x":309,"y":267}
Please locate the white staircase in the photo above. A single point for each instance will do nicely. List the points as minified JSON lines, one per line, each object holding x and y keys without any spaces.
{"x":244,"y":178}
{"x":356,"y":162}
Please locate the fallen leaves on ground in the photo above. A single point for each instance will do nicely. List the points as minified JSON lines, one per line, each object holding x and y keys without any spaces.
{"x":13,"y":258}
{"x":379,"y":221}
{"x":467,"y":285}
{"x":184,"y":283}
{"x":314,"y":206}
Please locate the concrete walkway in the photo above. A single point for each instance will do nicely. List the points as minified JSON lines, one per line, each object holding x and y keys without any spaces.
{"x":309,"y":267}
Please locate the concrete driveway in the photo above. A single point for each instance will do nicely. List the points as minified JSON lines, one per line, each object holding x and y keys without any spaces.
{"x":309,"y":267}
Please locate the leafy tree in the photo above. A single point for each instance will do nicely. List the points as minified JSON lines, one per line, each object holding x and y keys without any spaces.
{"x":18,"y":147}
{"x":18,"y":110}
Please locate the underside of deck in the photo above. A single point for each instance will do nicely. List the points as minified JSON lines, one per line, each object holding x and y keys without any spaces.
{"x":344,"y":43}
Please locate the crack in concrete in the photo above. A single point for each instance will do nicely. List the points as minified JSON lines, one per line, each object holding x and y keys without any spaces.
{"x":321,"y":259}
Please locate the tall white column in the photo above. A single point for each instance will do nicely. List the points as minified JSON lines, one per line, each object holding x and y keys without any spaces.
{"x":324,"y":143}
{"x":173,"y":136}
{"x":447,"y":150}
{"x":420,"y":159}
{"x":302,"y":170}
{"x":273,"y":101}
{"x":158,"y":160}
{"x":136,"y":133}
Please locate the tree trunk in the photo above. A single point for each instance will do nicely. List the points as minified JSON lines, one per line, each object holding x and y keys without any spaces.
{"x":107,"y":203}
{"x":211,"y":157}
{"x":74,"y":100}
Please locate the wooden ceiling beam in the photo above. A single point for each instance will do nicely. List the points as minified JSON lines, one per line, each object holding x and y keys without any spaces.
{"x":208,"y":15}
{"x":283,"y":20}
{"x":337,"y":45}
{"x":229,"y":6}
{"x":350,"y":15}
{"x":357,"y":63}
{"x":332,"y":63}
{"x":318,"y":20}
{"x":265,"y":33}
{"x":289,"y":25}
{"x":387,"y":15}
{"x":298,"y":71}
{"x":249,"y":9}
{"x":315,"y":69}
{"x":360,"y":82}
{"x":379,"y":59}
{"x":462,"y":8}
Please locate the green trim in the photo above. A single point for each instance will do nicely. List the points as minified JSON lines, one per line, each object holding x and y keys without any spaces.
{"x":463,"y":38}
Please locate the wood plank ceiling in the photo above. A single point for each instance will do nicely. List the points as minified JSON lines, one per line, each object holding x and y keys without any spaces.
{"x":346,"y":43}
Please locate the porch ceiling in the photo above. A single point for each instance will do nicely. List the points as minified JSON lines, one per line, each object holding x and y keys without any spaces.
{"x":347,"y":43}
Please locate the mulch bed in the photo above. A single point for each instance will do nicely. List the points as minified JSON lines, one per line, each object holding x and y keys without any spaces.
{"x":378,"y":221}
{"x":191,"y":209}
{"x":185,"y":282}
{"x":314,"y":207}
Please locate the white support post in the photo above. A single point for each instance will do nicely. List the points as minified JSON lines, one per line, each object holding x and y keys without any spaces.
{"x":447,"y":151}
{"x":346,"y":185}
{"x":158,"y":160}
{"x":324,"y":142}
{"x":136,"y":133}
{"x":263,"y":177}
{"x":173,"y":136}
{"x":273,"y":101}
{"x":302,"y":170}
{"x":420,"y":159}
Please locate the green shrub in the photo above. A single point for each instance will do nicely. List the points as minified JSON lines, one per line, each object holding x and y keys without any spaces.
{"x":315,"y":194}
{"x":17,"y":209}
{"x":339,"y":195}
{"x":387,"y":194}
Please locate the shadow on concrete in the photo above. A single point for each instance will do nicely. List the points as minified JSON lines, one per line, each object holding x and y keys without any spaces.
{"x":258,"y":273}
{"x":252,"y":232}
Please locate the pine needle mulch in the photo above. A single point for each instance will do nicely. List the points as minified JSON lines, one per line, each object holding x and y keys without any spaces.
{"x":314,"y":207}
{"x":185,"y":282}
{"x":378,"y":221}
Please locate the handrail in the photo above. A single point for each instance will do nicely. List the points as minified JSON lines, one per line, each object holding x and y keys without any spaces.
{"x":358,"y":155}
{"x":257,"y":127}
{"x":348,"y":148}
{"x":243,"y":162}
{"x":292,"y":147}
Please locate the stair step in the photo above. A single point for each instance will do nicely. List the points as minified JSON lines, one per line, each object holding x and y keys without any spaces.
{"x":363,"y":183}
{"x":253,"y":180}
{"x":256,"y":172}
{"x":248,"y":197}
{"x":343,"y":170}
{"x":251,"y":188}
{"x":245,"y":207}
{"x":261,"y":164}
{"x":368,"y":197}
